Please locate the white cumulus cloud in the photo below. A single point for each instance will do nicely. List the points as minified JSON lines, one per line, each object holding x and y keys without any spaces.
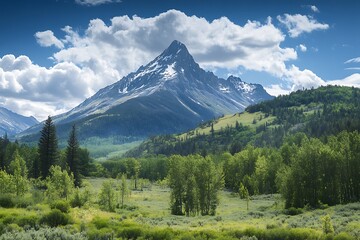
{"x":303,"y":47}
{"x":47,"y":39}
{"x":53,"y":90}
{"x":314,"y":8}
{"x":298,"y":24}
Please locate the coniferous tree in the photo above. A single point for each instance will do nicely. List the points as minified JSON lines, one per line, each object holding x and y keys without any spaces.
{"x":72,"y":156}
{"x":47,"y":147}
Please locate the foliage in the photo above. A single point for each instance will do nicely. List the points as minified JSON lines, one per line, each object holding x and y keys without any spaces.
{"x":124,"y":191}
{"x":319,"y":172}
{"x":55,"y":218}
{"x":43,"y":234}
{"x":327,"y":225}
{"x":61,"y":205}
{"x":47,"y":147}
{"x":194,"y":183}
{"x":133,"y":169}
{"x":72,"y":156}
{"x":59,"y":184}
{"x":107,"y":198}
{"x":6,"y":183}
{"x":6,"y":201}
{"x":19,"y":177}
{"x":316,"y":112}
{"x":244,"y":194}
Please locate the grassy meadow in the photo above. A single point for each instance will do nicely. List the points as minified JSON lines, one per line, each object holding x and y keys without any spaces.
{"x":146,"y":215}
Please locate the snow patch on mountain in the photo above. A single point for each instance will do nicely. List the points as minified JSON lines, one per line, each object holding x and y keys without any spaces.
{"x":169,"y":72}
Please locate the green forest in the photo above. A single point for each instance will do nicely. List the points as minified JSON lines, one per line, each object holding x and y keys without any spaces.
{"x":288,"y":168}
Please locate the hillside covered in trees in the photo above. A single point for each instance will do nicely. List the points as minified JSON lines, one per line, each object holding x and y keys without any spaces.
{"x":316,"y":112}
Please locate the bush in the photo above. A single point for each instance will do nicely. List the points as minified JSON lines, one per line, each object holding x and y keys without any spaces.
{"x":160,"y":234}
{"x":77,"y":200}
{"x":293,"y":211}
{"x":102,"y":234}
{"x":27,"y":221}
{"x":61,"y":205}
{"x":100,"y":222}
{"x":43,"y":233}
{"x":23,"y":202}
{"x":6,"y":201}
{"x":131,"y":232}
{"x":55,"y":218}
{"x":343,"y":236}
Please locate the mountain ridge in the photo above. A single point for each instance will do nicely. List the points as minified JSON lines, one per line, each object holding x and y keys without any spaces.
{"x":12,"y":123}
{"x":170,"y":94}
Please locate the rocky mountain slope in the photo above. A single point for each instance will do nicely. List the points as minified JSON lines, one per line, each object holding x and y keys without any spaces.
{"x":170,"y":94}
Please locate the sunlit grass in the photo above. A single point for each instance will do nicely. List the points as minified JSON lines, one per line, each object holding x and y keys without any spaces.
{"x":251,"y":120}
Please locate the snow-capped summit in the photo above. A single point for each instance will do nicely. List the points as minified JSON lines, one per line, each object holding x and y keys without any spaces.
{"x":170,"y":94}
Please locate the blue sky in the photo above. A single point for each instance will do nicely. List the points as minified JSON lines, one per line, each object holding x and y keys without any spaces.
{"x":56,"y":53}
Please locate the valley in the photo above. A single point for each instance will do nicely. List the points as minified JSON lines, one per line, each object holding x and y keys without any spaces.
{"x":265,"y":173}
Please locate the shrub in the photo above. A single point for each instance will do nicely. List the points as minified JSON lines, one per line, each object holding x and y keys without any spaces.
{"x":6,"y":201}
{"x":27,"y":221}
{"x":327,"y":225}
{"x":131,"y":232}
{"x":2,"y":228}
{"x":100,"y":222}
{"x":23,"y":202}
{"x":293,"y":211}
{"x":101,"y":234}
{"x":61,"y":205}
{"x":13,"y":227}
{"x":43,"y":233}
{"x":55,"y":218}
{"x":343,"y":236}
{"x":77,"y":200}
{"x":160,"y":234}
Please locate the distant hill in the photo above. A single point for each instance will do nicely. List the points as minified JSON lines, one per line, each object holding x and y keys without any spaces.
{"x":12,"y":123}
{"x":317,"y":112}
{"x":171,"y":94}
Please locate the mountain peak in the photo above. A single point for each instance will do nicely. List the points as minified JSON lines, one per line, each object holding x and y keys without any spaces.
{"x":175,"y":46}
{"x":176,"y":51}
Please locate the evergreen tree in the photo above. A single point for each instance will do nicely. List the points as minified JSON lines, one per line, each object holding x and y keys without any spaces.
{"x":47,"y":147}
{"x":72,"y":156}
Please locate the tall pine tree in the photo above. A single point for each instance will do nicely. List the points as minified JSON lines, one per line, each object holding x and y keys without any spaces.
{"x":72,"y":156}
{"x":47,"y":147}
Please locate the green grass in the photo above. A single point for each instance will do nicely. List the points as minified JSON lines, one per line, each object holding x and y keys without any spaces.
{"x":245,"y":118}
{"x":265,"y":211}
{"x":148,"y":210}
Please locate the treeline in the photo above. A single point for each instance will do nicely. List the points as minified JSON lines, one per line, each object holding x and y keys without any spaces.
{"x":317,"y":112}
{"x":38,"y":160}
{"x":306,"y":171}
